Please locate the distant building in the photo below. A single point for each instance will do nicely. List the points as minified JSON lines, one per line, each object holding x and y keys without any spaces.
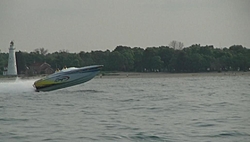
{"x":39,"y":68}
{"x":5,"y":69}
{"x":12,"y":69}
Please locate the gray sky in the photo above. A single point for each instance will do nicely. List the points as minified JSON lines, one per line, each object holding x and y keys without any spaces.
{"x":86,"y":25}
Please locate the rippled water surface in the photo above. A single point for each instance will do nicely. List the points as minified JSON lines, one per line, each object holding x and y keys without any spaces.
{"x":169,"y":109}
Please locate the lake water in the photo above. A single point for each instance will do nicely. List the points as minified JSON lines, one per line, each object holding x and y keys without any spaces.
{"x":169,"y":109}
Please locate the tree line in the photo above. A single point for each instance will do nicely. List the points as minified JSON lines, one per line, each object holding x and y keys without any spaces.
{"x":195,"y":58}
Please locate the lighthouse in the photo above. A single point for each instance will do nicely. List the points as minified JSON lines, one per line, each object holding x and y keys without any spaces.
{"x":12,"y":71}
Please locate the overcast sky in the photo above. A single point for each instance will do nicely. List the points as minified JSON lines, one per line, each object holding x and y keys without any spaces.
{"x":86,"y":25}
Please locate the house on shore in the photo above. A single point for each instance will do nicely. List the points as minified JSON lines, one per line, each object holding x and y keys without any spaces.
{"x":38,"y":69}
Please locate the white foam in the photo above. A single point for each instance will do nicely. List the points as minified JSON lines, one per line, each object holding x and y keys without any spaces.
{"x":16,"y":85}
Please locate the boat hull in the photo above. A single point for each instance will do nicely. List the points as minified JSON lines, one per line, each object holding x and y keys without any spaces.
{"x":67,"y":78}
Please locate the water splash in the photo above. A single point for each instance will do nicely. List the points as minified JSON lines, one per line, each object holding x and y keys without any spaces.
{"x":16,"y":85}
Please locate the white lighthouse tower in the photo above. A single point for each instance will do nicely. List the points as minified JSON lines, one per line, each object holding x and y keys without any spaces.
{"x":12,"y":71}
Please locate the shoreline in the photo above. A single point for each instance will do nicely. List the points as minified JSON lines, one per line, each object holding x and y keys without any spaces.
{"x":162,"y":75}
{"x":148,"y":75}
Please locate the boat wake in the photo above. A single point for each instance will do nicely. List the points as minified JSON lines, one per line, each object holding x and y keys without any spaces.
{"x":16,"y":85}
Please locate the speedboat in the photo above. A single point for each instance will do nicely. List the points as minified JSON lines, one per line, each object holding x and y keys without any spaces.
{"x":67,"y":77}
